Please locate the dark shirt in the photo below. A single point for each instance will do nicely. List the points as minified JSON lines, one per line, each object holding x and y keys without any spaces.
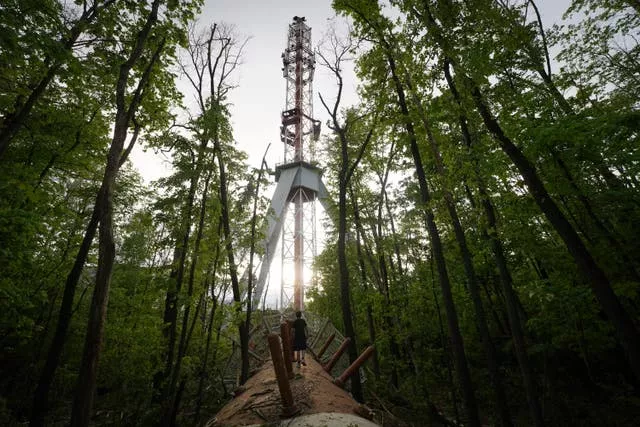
{"x":299,"y":326}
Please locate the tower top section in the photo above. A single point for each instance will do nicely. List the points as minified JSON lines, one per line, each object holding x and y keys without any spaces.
{"x":299,"y":130}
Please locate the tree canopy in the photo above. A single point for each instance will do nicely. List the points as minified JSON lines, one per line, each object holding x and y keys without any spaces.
{"x":484,"y":235}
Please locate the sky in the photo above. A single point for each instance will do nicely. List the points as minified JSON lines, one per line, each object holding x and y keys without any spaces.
{"x":259,"y":97}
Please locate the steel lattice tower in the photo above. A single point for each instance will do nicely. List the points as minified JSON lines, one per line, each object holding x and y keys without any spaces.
{"x":298,"y":178}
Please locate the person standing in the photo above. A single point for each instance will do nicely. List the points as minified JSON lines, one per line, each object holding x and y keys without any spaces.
{"x":300,"y":337}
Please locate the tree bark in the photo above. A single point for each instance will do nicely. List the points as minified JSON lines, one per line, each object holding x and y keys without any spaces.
{"x":347,"y":168}
{"x":172,"y":395}
{"x":446,"y":349}
{"x":83,"y":401}
{"x":233,"y":272}
{"x":511,"y":299}
{"x":176,"y":277}
{"x":472,"y":279}
{"x":85,"y":388}
{"x":345,"y":294}
{"x":41,"y":394}
{"x":625,"y":329}
{"x":252,"y":250}
{"x":203,"y":368}
{"x":363,"y":277}
{"x":457,"y":343}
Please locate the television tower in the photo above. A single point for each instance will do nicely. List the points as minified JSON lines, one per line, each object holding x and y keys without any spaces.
{"x":292,"y":214}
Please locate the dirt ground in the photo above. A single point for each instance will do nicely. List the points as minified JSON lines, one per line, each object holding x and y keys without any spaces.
{"x":259,"y":402}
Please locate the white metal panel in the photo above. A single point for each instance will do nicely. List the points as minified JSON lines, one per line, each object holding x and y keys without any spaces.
{"x":274,"y":228}
{"x":290,"y":179}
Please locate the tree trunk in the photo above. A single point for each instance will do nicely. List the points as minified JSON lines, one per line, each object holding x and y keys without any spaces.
{"x":41,"y":395}
{"x":85,"y":388}
{"x":170,"y":317}
{"x":345,"y":292}
{"x":446,"y":349}
{"x":203,"y":368}
{"x":163,"y":390}
{"x":345,"y":173}
{"x":384,"y":290}
{"x":472,"y":279}
{"x":457,"y":344}
{"x":172,"y":395}
{"x":626,"y":330}
{"x":363,"y":277}
{"x":511,"y":299}
{"x":233,"y":272}
{"x":389,"y":320}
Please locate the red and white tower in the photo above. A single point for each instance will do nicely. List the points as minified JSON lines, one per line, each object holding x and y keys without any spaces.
{"x":298,"y":178}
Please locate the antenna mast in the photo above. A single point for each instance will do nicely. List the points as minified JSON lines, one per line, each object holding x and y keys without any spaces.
{"x":298,"y":132}
{"x":299,"y":183}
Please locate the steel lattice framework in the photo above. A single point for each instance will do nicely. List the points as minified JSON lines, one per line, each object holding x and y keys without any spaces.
{"x":299,"y":130}
{"x":298,"y":179}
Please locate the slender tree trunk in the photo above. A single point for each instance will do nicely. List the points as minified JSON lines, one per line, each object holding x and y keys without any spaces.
{"x":172,"y":395}
{"x":511,"y":299}
{"x":252,"y":249}
{"x":384,"y":290}
{"x":345,"y":293}
{"x":457,"y":344}
{"x":346,"y":171}
{"x":85,"y":388}
{"x":394,"y":234}
{"x":626,"y":330}
{"x":203,"y":368}
{"x":163,"y":390}
{"x":205,"y":360}
{"x":481,"y":318}
{"x":176,"y":277}
{"x":41,"y":395}
{"x":472,"y":280}
{"x":363,"y":277}
{"x":388,"y":316}
{"x":446,"y":348}
{"x":499,"y":315}
{"x":176,"y":402}
{"x":233,"y":272}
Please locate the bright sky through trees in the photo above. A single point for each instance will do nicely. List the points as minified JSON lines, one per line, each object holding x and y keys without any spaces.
{"x":259,"y":96}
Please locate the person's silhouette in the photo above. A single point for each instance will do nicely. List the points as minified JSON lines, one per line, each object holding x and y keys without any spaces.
{"x":300,"y":337}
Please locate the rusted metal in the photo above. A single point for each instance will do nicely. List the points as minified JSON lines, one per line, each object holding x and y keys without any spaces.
{"x":287,"y":348}
{"x":325,"y":346}
{"x":366,"y":354}
{"x":288,"y":407}
{"x":336,"y":356}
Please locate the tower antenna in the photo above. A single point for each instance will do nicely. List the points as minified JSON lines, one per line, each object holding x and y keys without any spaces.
{"x":299,"y":184}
